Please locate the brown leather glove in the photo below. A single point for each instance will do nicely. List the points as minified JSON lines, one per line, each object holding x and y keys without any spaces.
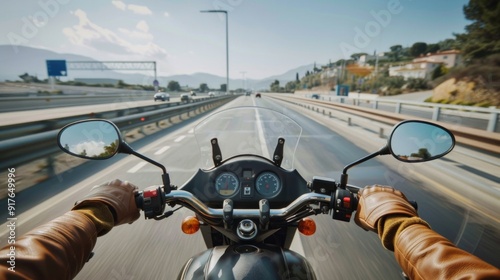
{"x":119,"y":196}
{"x":378,"y":201}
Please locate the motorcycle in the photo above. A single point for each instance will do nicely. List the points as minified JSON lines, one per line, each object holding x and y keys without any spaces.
{"x":249,"y":204}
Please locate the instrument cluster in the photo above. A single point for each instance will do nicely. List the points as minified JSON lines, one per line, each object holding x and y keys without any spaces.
{"x":266,"y":184}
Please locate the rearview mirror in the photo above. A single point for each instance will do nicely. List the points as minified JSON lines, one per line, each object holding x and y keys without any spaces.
{"x":90,"y":139}
{"x":418,"y":141}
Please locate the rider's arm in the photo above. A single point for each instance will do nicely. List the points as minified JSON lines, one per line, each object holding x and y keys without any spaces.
{"x":424,"y":254}
{"x":57,"y":249}
{"x":421,"y":252}
{"x":60,"y":248}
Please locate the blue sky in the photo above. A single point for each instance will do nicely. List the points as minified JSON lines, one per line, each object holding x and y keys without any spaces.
{"x":266,"y":37}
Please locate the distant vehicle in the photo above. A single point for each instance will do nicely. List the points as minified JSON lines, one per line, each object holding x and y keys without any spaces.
{"x":163,"y":96}
{"x":211,"y":94}
{"x":257,"y":95}
{"x":315,"y":96}
{"x":186,"y":98}
{"x":248,"y":93}
{"x":193,"y":93}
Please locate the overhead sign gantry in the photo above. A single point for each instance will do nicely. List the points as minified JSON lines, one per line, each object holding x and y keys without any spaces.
{"x":58,"y":68}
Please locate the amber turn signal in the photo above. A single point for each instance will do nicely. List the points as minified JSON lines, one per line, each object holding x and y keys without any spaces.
{"x":190,"y":225}
{"x":307,"y":226}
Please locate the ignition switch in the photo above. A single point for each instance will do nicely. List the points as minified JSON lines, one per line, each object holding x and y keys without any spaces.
{"x":247,"y":229}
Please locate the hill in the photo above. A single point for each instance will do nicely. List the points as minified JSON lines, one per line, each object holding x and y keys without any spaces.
{"x":21,"y":59}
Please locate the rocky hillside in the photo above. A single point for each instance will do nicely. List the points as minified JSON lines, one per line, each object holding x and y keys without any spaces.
{"x":477,"y":84}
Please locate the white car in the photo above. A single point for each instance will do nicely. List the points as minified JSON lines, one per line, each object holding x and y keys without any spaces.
{"x":211,"y":94}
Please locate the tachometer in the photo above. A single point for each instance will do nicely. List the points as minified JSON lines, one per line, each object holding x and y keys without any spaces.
{"x":268,"y":184}
{"x":226,"y":184}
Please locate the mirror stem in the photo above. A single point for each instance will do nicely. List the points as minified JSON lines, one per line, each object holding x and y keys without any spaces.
{"x":344,"y":176}
{"x":125,"y":148}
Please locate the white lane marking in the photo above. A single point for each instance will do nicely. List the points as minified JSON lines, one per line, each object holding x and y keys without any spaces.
{"x":137,"y":167}
{"x":262,"y":140}
{"x":162,"y":150}
{"x":180,"y":138}
{"x":191,"y":131}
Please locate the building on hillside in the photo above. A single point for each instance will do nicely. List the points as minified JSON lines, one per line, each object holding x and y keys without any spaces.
{"x":364,"y":59}
{"x":450,"y":58}
{"x":423,"y":66}
{"x":421,"y":69}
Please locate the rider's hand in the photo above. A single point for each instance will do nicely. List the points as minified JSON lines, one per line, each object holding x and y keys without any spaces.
{"x":378,"y":201}
{"x":119,"y":196}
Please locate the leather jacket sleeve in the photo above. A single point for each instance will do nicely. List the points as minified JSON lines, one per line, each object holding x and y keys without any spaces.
{"x":424,"y":254}
{"x":57,"y":249}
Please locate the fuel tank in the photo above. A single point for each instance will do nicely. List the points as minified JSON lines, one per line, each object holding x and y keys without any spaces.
{"x":247,"y":262}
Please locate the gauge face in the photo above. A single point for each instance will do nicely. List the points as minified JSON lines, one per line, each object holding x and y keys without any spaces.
{"x":268,"y":184}
{"x":226,"y":184}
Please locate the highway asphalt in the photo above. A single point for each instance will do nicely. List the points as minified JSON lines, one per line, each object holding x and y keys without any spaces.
{"x":339,"y":250}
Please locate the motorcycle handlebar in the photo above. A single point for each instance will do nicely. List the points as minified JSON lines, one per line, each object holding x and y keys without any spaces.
{"x":188,"y":199}
{"x":153,"y":200}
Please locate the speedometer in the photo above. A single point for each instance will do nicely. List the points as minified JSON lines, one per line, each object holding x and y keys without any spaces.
{"x":268,"y":184}
{"x":226,"y":184}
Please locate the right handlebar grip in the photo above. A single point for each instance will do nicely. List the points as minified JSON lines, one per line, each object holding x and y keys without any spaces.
{"x":139,"y":200}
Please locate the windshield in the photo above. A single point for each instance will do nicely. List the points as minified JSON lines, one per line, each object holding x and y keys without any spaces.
{"x":248,"y":130}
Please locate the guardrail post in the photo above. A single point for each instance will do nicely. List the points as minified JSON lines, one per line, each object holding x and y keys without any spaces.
{"x":51,"y":171}
{"x":330,"y":114}
{"x":375,"y":104}
{"x":436,"y":113}
{"x":492,"y":123}
{"x":398,"y":108}
{"x":381,"y":132}
{"x":349,"y":121}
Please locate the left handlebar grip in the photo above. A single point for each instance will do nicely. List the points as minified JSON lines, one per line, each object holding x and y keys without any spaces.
{"x":151,"y":201}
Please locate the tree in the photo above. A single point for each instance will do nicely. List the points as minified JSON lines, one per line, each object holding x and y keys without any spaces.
{"x":275,"y":86}
{"x":173,"y":86}
{"x":223,"y":87}
{"x":291,"y":86}
{"x":204,"y":87}
{"x":297,"y":77}
{"x":418,"y":48}
{"x":448,"y":44}
{"x":432,"y":48}
{"x":482,"y":36}
{"x":395,"y":53}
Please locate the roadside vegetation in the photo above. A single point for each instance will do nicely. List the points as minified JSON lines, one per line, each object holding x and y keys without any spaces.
{"x":475,"y":82}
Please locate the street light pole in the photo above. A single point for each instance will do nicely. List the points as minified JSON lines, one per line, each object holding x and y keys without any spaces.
{"x":227,"y":44}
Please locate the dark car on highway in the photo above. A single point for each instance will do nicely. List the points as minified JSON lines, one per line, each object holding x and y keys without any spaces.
{"x":186,"y":98}
{"x":258,"y":95}
{"x":163,"y":96}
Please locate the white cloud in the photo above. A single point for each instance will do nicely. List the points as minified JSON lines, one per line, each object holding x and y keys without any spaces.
{"x":166,"y":14}
{"x":142,"y":26}
{"x":119,"y":4}
{"x":141,"y":10}
{"x":90,"y":35}
{"x":90,"y":148}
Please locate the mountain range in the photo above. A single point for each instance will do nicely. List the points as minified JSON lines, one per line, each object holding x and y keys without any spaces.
{"x":17,"y":60}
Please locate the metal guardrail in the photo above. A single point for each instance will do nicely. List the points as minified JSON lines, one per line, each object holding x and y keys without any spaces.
{"x":480,"y":139}
{"x":23,"y":149}
{"x":22,"y":129}
{"x":481,"y":118}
